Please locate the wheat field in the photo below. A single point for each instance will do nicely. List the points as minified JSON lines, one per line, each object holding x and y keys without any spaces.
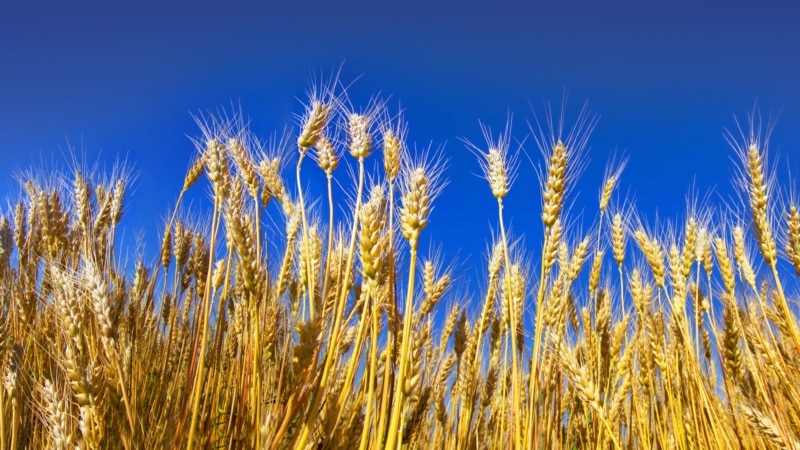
{"x":290,"y":321}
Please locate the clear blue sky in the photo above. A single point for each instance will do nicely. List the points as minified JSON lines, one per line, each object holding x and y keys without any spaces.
{"x":665,"y":77}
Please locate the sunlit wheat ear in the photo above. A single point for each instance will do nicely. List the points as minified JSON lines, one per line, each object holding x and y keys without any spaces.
{"x":594,"y":274}
{"x":732,"y":354}
{"x":758,"y":203}
{"x":654,"y":254}
{"x":97,"y":289}
{"x":768,"y":429}
{"x":743,"y":257}
{"x":449,"y":326}
{"x":554,"y":186}
{"x":420,"y":184}
{"x":553,"y":244}
{"x":166,"y":249}
{"x":580,"y":379}
{"x":516,"y":289}
{"x":308,"y":339}
{"x":82,"y":192}
{"x":217,"y":169}
{"x":360,"y":126}
{"x":704,"y":250}
{"x":793,"y":241}
{"x":182,"y":245}
{"x":239,"y":149}
{"x":314,"y":121}
{"x":327,"y":158}
{"x":71,"y":314}
{"x":498,"y":165}
{"x":416,"y":204}
{"x":562,"y":153}
{"x":676,"y":273}
{"x":618,"y":238}
{"x":394,"y":133}
{"x":194,"y":172}
{"x":118,"y":200}
{"x":317,"y":111}
{"x":20,"y":225}
{"x":56,"y":414}
{"x":751,"y":149}
{"x":578,"y":258}
{"x":391,"y":154}
{"x":611,"y":178}
{"x":6,"y":240}
{"x":373,"y":220}
{"x":725,"y":265}
{"x":270,"y":171}
{"x":689,"y":246}
{"x":360,"y":137}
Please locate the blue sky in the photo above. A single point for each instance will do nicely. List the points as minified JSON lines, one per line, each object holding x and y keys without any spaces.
{"x":666,"y":79}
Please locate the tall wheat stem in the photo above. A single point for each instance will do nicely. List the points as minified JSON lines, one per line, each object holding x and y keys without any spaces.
{"x":394,"y":436}
{"x":331,"y":354}
{"x":198,"y":381}
{"x":515,"y":376}
{"x":533,"y":376}
{"x":387,"y":370}
{"x":306,"y":264}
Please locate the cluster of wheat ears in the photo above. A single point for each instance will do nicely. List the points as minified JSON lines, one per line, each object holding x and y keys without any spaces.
{"x":291,"y":322}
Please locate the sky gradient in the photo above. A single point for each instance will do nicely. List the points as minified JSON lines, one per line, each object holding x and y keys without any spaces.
{"x":666,"y":79}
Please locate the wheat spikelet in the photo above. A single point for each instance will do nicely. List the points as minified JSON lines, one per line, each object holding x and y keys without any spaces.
{"x":245,"y":165}
{"x":414,"y":370}
{"x":6,"y":241}
{"x":516,"y":291}
{"x":653,"y":253}
{"x":689,"y":246}
{"x":194,"y":172}
{"x":327,"y":158}
{"x":269,"y":170}
{"x":580,"y":380}
{"x":56,"y":414}
{"x":308,"y":340}
{"x":20,"y":226}
{"x":730,"y":341}
{"x":217,"y":169}
{"x":315,"y":120}
{"x":725,"y":265}
{"x":611,"y":178}
{"x":758,"y":203}
{"x":359,"y":135}
{"x":98,"y":291}
{"x":703,"y":250}
{"x":391,"y":154}
{"x":83,"y":201}
{"x":793,"y":243}
{"x":618,"y":239}
{"x":434,"y":290}
{"x":554,"y":186}
{"x":618,"y":335}
{"x":553,"y":243}
{"x":742,"y":258}
{"x":594,"y":274}
{"x":767,"y":428}
{"x":677,"y":274}
{"x":183,"y":243}
{"x":416,"y":204}
{"x":449,"y":325}
{"x":578,"y":257}
{"x":117,"y":201}
{"x":373,"y":219}
{"x":490,"y":382}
